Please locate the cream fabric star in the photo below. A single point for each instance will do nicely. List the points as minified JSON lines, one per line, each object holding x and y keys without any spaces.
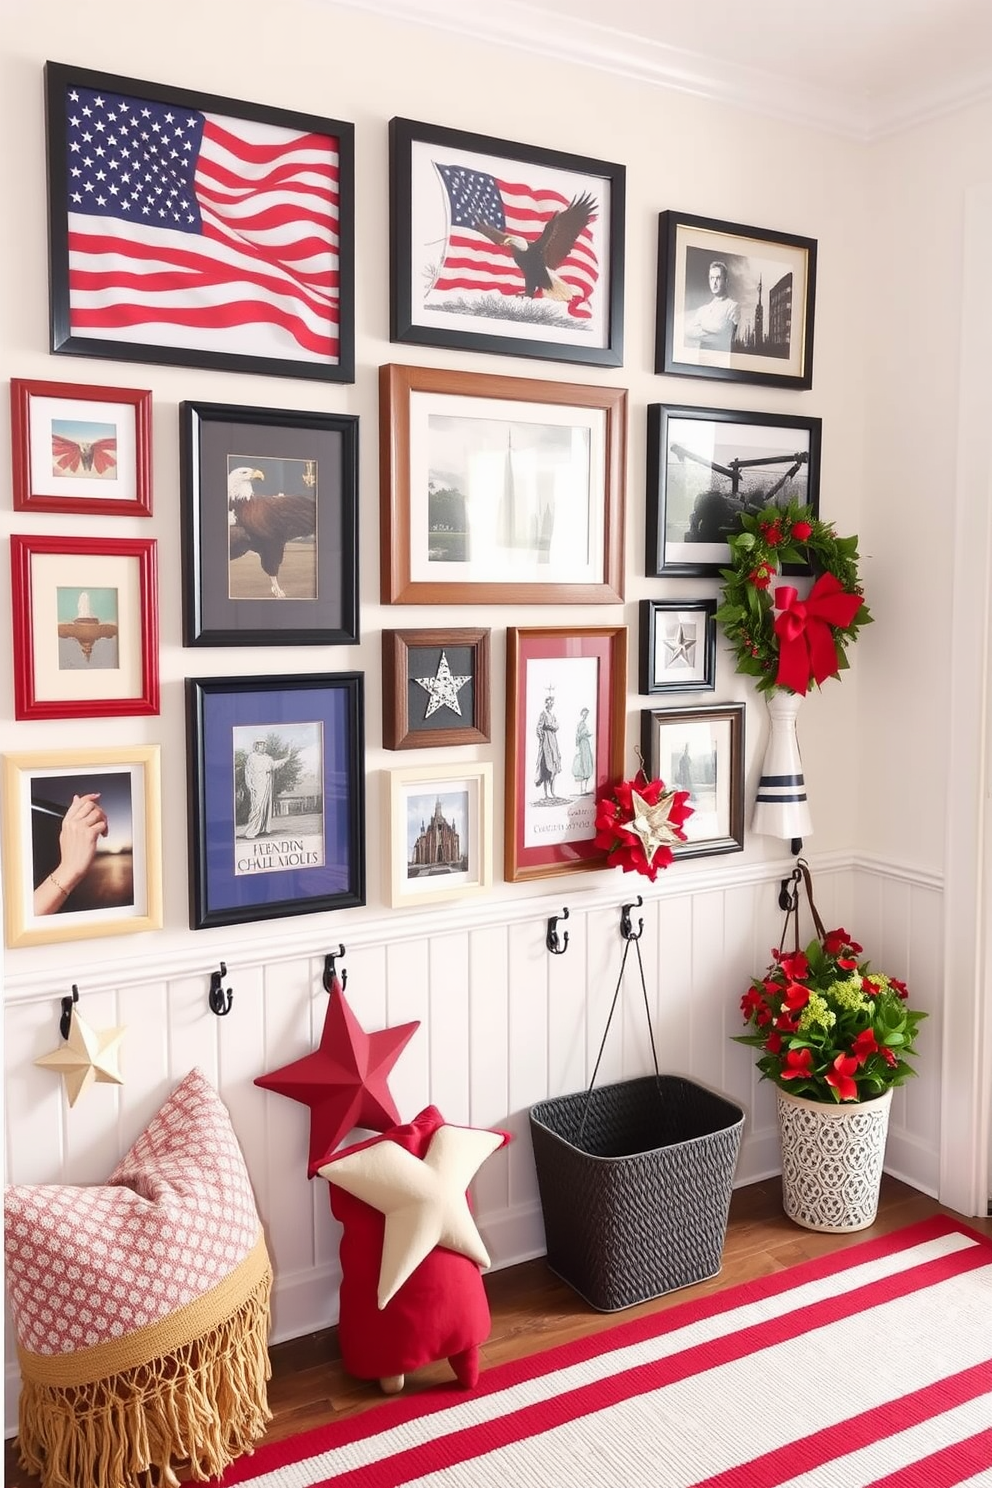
{"x":651,"y":823}
{"x":86,"y":1058}
{"x":423,"y":1199}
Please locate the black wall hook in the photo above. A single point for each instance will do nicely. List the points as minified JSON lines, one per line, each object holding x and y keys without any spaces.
{"x":329,"y":969}
{"x":626,"y":928}
{"x":65,"y":1021}
{"x":787,"y":896}
{"x":219,"y":999}
{"x":556,"y":947}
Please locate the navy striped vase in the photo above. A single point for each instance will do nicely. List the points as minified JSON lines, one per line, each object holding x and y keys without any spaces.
{"x":780,"y":806}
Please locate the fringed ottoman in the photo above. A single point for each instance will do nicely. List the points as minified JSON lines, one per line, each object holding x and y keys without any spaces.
{"x":141,"y":1308}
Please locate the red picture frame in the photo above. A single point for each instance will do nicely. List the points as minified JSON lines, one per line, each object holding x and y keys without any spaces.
{"x":76,"y":598}
{"x":79,"y":448}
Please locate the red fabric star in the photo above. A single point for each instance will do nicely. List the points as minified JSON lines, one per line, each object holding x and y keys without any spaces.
{"x":344,"y":1080}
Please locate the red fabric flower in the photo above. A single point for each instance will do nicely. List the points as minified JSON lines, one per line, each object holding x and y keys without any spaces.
{"x":615,"y":813}
{"x":899,"y":987}
{"x":772,"y":532}
{"x":865,"y":1044}
{"x":839,"y":1076}
{"x":773,"y":1043}
{"x":798,"y":1064}
{"x":796,"y":997}
{"x":762,"y":576}
{"x":839,"y":940}
{"x":801,"y":531}
{"x":795,"y":966}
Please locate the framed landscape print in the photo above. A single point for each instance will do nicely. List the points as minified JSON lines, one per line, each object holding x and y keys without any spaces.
{"x":435,"y":688}
{"x":276,"y":796}
{"x":677,"y":645}
{"x":499,"y":490}
{"x":153,"y":188}
{"x":734,"y":302}
{"x":501,"y":247}
{"x":701,"y":750}
{"x":85,"y":626}
{"x":81,"y":449}
{"x":82,"y":843}
{"x":566,"y":692}
{"x":439,"y":833}
{"x":707,"y":467}
{"x":270,"y":526}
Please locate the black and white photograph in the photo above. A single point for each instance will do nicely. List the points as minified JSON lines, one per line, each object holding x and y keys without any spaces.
{"x":677,"y":645}
{"x":701,"y":750}
{"x":708,"y":467}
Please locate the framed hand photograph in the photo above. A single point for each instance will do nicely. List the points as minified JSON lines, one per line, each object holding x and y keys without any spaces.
{"x":270,"y":526}
{"x":708,"y":467}
{"x":701,"y":750}
{"x":499,"y":490}
{"x":435,"y":688}
{"x":500,"y":247}
{"x":81,"y":449}
{"x":85,"y":626}
{"x":566,"y":696}
{"x":276,"y":796}
{"x":734,"y":302}
{"x":82,"y":843}
{"x":439,"y":833}
{"x":677,"y":645}
{"x":198,"y":231}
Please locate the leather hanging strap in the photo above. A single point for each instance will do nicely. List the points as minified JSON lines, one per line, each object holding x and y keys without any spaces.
{"x":801,"y":879}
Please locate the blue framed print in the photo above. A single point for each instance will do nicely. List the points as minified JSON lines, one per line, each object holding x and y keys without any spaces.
{"x":277,"y":796}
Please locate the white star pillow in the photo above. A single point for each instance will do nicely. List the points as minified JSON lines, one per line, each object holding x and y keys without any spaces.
{"x":423,"y":1199}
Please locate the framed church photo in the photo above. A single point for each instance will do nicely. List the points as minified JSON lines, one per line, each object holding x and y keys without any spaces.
{"x":439,"y":833}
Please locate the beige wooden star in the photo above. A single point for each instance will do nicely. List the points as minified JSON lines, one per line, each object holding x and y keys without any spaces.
{"x":651,"y":823}
{"x":86,"y":1057}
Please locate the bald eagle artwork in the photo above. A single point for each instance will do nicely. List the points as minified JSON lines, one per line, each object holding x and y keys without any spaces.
{"x":537,"y":260}
{"x":83,"y":456}
{"x":265,"y":524}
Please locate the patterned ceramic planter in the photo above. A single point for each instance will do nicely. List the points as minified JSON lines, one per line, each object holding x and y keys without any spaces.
{"x":832,"y":1160}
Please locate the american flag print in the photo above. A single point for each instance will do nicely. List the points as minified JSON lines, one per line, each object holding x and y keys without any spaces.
{"x":198,"y":230}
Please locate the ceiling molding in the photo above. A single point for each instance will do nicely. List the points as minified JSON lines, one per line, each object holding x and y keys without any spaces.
{"x":529,"y":28}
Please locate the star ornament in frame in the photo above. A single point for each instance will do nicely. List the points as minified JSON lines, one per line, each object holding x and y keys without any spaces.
{"x":435,"y":688}
{"x":677,"y":650}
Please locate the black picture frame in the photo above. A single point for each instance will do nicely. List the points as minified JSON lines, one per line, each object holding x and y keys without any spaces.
{"x":677,"y":645}
{"x":234,"y":559}
{"x":756,"y":460}
{"x":713,"y":737}
{"x":769,"y":279}
{"x":476,"y":295}
{"x":241,"y":869}
{"x":435,"y":688}
{"x":301,"y":326}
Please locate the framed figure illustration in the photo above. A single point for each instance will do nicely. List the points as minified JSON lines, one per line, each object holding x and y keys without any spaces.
{"x":501,"y":247}
{"x":734,"y":302}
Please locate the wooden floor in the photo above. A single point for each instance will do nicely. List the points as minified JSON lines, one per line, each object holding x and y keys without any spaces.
{"x":533,"y":1310}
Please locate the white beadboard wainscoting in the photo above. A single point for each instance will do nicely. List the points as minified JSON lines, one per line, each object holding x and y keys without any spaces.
{"x":503,"y":1024}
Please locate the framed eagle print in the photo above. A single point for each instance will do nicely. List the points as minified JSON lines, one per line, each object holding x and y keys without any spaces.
{"x":502,"y":247}
{"x":81,"y":449}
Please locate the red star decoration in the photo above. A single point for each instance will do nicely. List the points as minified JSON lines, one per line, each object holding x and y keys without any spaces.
{"x":344,"y":1080}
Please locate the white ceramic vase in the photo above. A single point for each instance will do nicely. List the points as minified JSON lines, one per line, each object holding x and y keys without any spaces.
{"x":780,"y":806}
{"x":832,"y":1159}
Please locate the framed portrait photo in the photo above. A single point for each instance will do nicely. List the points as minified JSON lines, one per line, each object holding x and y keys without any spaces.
{"x":708,"y":467}
{"x":153,"y":188}
{"x":439,"y":833}
{"x":277,"y":796}
{"x":499,"y":490}
{"x":501,"y":247}
{"x":435,"y":688}
{"x":566,"y":692}
{"x":677,"y":645}
{"x":82,"y":843}
{"x":270,"y":526}
{"x":81,"y":449}
{"x":734,"y":302}
{"x":85,"y":626}
{"x":701,"y":750}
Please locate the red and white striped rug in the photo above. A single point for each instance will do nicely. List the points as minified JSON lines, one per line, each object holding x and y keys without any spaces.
{"x":871,"y":1366}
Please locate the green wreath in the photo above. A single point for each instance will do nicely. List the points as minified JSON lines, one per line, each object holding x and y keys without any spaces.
{"x":807,"y":642}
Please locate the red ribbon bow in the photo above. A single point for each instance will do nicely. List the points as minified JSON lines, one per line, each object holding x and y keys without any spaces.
{"x":807,"y":649}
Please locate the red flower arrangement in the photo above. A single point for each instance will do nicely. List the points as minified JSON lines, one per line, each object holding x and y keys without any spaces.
{"x":638,"y":821}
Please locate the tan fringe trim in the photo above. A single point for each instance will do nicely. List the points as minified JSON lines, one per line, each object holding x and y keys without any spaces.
{"x":200,"y":1404}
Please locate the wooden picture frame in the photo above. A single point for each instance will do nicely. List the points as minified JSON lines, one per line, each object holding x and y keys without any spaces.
{"x":701,"y":750}
{"x":179,"y":199}
{"x":285,"y":836}
{"x":78,"y":448}
{"x":734,"y":302}
{"x":502,"y":247}
{"x":677,"y":651}
{"x":435,"y":688}
{"x":84,"y":626}
{"x":499,"y":490}
{"x":549,"y":830}
{"x":439,"y":833}
{"x":100,"y":874}
{"x":270,"y":526}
